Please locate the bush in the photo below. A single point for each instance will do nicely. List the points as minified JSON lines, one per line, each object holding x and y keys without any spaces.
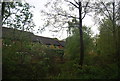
{"x":31,"y":61}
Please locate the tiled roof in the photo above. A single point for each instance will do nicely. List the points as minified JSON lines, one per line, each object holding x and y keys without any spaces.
{"x":15,"y":34}
{"x":8,"y":33}
{"x":62,"y":43}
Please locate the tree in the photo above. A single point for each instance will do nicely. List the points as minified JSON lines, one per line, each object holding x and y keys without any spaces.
{"x":17,"y":15}
{"x":73,"y":44}
{"x":59,"y":16}
{"x":110,"y":11}
{"x":106,"y":43}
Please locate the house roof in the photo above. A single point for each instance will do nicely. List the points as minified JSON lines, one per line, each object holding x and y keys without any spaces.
{"x":9,"y":33}
{"x":45,"y":40}
{"x":62,"y":43}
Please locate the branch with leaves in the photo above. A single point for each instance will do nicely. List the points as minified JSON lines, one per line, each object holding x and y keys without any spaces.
{"x":17,"y":15}
{"x":60,"y":11}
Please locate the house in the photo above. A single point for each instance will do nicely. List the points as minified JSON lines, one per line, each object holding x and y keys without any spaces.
{"x":48,"y":41}
{"x":14,"y":34}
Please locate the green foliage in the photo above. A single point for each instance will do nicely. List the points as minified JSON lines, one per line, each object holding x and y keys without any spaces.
{"x":107,"y":42}
{"x":25,"y":60}
{"x":36,"y":61}
{"x":31,"y":61}
{"x":72,"y":48}
{"x":71,"y":70}
{"x":18,"y":16}
{"x":98,"y":61}
{"x":97,"y":72}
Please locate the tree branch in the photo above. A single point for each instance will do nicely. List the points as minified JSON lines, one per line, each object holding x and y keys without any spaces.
{"x":107,"y":10}
{"x":106,"y":26}
{"x":76,"y":2}
{"x":69,"y":16}
{"x":89,"y":6}
{"x":105,"y":14}
{"x":85,"y":12}
{"x":73,"y":4}
{"x":8,"y":13}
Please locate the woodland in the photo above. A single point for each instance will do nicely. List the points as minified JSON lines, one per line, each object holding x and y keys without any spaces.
{"x":85,"y":56}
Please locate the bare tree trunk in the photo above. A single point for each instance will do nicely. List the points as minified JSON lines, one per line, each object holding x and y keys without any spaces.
{"x":3,"y":9}
{"x":81,"y":36}
{"x":115,"y":32}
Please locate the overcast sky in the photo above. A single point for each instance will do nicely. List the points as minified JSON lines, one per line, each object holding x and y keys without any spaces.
{"x":39,"y":5}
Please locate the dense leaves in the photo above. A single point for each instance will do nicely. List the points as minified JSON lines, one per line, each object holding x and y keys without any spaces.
{"x":34,"y":61}
{"x":73,"y":41}
{"x":17,"y":15}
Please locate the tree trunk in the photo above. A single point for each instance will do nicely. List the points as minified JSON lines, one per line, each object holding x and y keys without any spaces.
{"x":3,"y":9}
{"x":81,"y":36}
{"x":115,"y":33}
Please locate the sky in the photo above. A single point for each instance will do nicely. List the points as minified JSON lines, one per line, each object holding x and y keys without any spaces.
{"x":37,"y":17}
